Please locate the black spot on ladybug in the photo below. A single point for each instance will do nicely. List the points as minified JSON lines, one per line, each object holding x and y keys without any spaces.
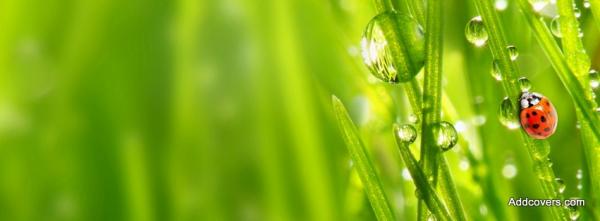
{"x":536,"y":126}
{"x":539,"y":134}
{"x":534,"y":113}
{"x":547,"y":104}
{"x":543,"y":119}
{"x":527,"y":115}
{"x":547,"y":129}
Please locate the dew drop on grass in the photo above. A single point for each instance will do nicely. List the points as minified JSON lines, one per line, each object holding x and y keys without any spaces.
{"x":513,"y":52}
{"x":538,"y":5}
{"x":475,"y":32}
{"x":406,"y":174}
{"x":594,"y":79}
{"x":418,"y":193}
{"x":560,"y":185}
{"x":577,"y":12}
{"x":501,"y":5}
{"x":550,"y":163}
{"x":413,"y":118}
{"x":483,"y":209}
{"x":579,"y":174}
{"x":392,"y":47}
{"x":406,"y":133}
{"x":573,"y":213}
{"x":555,"y":27}
{"x":586,"y":4}
{"x":445,"y":135}
{"x":507,"y":114}
{"x":431,"y":217}
{"x":496,"y":73}
{"x":509,"y":171}
{"x":524,"y":84}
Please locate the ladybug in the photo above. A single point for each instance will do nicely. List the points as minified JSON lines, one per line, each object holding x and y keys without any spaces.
{"x":538,"y":115}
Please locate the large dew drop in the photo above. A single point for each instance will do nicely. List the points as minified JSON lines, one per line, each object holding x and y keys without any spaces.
{"x":524,"y":84}
{"x":507,"y":114}
{"x":513,"y":52}
{"x":406,"y":133}
{"x":445,"y":135}
{"x":586,"y":4}
{"x":555,"y":27}
{"x":393,"y":47}
{"x":475,"y":32}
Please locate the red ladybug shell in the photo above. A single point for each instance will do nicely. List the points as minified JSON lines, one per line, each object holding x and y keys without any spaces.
{"x":538,"y":115}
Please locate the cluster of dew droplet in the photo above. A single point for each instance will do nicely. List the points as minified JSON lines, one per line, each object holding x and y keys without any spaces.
{"x":384,"y":58}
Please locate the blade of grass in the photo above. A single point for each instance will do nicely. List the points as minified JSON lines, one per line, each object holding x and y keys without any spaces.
{"x":538,"y":149}
{"x":552,"y":51}
{"x":595,"y":6}
{"x":425,"y":189}
{"x":579,"y":63}
{"x":362,"y":163}
{"x":431,"y":107}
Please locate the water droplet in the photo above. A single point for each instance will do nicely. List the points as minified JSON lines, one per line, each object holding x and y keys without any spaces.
{"x":513,"y":52}
{"x":501,"y":5}
{"x":579,"y":186}
{"x":391,"y":55}
{"x":573,"y":213}
{"x":509,"y":171}
{"x":538,"y":5}
{"x":445,"y":135}
{"x":406,"y":174}
{"x":483,"y":209}
{"x":579,"y":33}
{"x":579,"y":174}
{"x":549,"y":161}
{"x":406,"y":133}
{"x":577,"y":12}
{"x":418,"y":193}
{"x":560,"y":185}
{"x":597,"y":110}
{"x":507,"y":114}
{"x":431,"y":217}
{"x":586,"y":4}
{"x":524,"y":84}
{"x":475,"y":32}
{"x":412,"y":118}
{"x":594,"y":78}
{"x":496,"y":73}
{"x":555,"y":26}
{"x":577,"y":125}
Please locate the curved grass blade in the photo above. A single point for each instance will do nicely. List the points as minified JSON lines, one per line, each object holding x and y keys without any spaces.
{"x":363,"y":165}
{"x":425,"y":189}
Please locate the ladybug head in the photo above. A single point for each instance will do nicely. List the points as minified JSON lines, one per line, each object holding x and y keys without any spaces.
{"x":529,"y":99}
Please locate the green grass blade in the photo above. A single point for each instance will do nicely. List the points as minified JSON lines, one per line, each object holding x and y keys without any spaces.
{"x":432,"y":101}
{"x":425,"y":189}
{"x":538,"y":149}
{"x":595,"y":6}
{"x":552,"y":51}
{"x":579,"y":63}
{"x":362,"y":163}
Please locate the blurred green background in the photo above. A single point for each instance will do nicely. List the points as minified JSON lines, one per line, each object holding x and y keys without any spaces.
{"x":220,"y":110}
